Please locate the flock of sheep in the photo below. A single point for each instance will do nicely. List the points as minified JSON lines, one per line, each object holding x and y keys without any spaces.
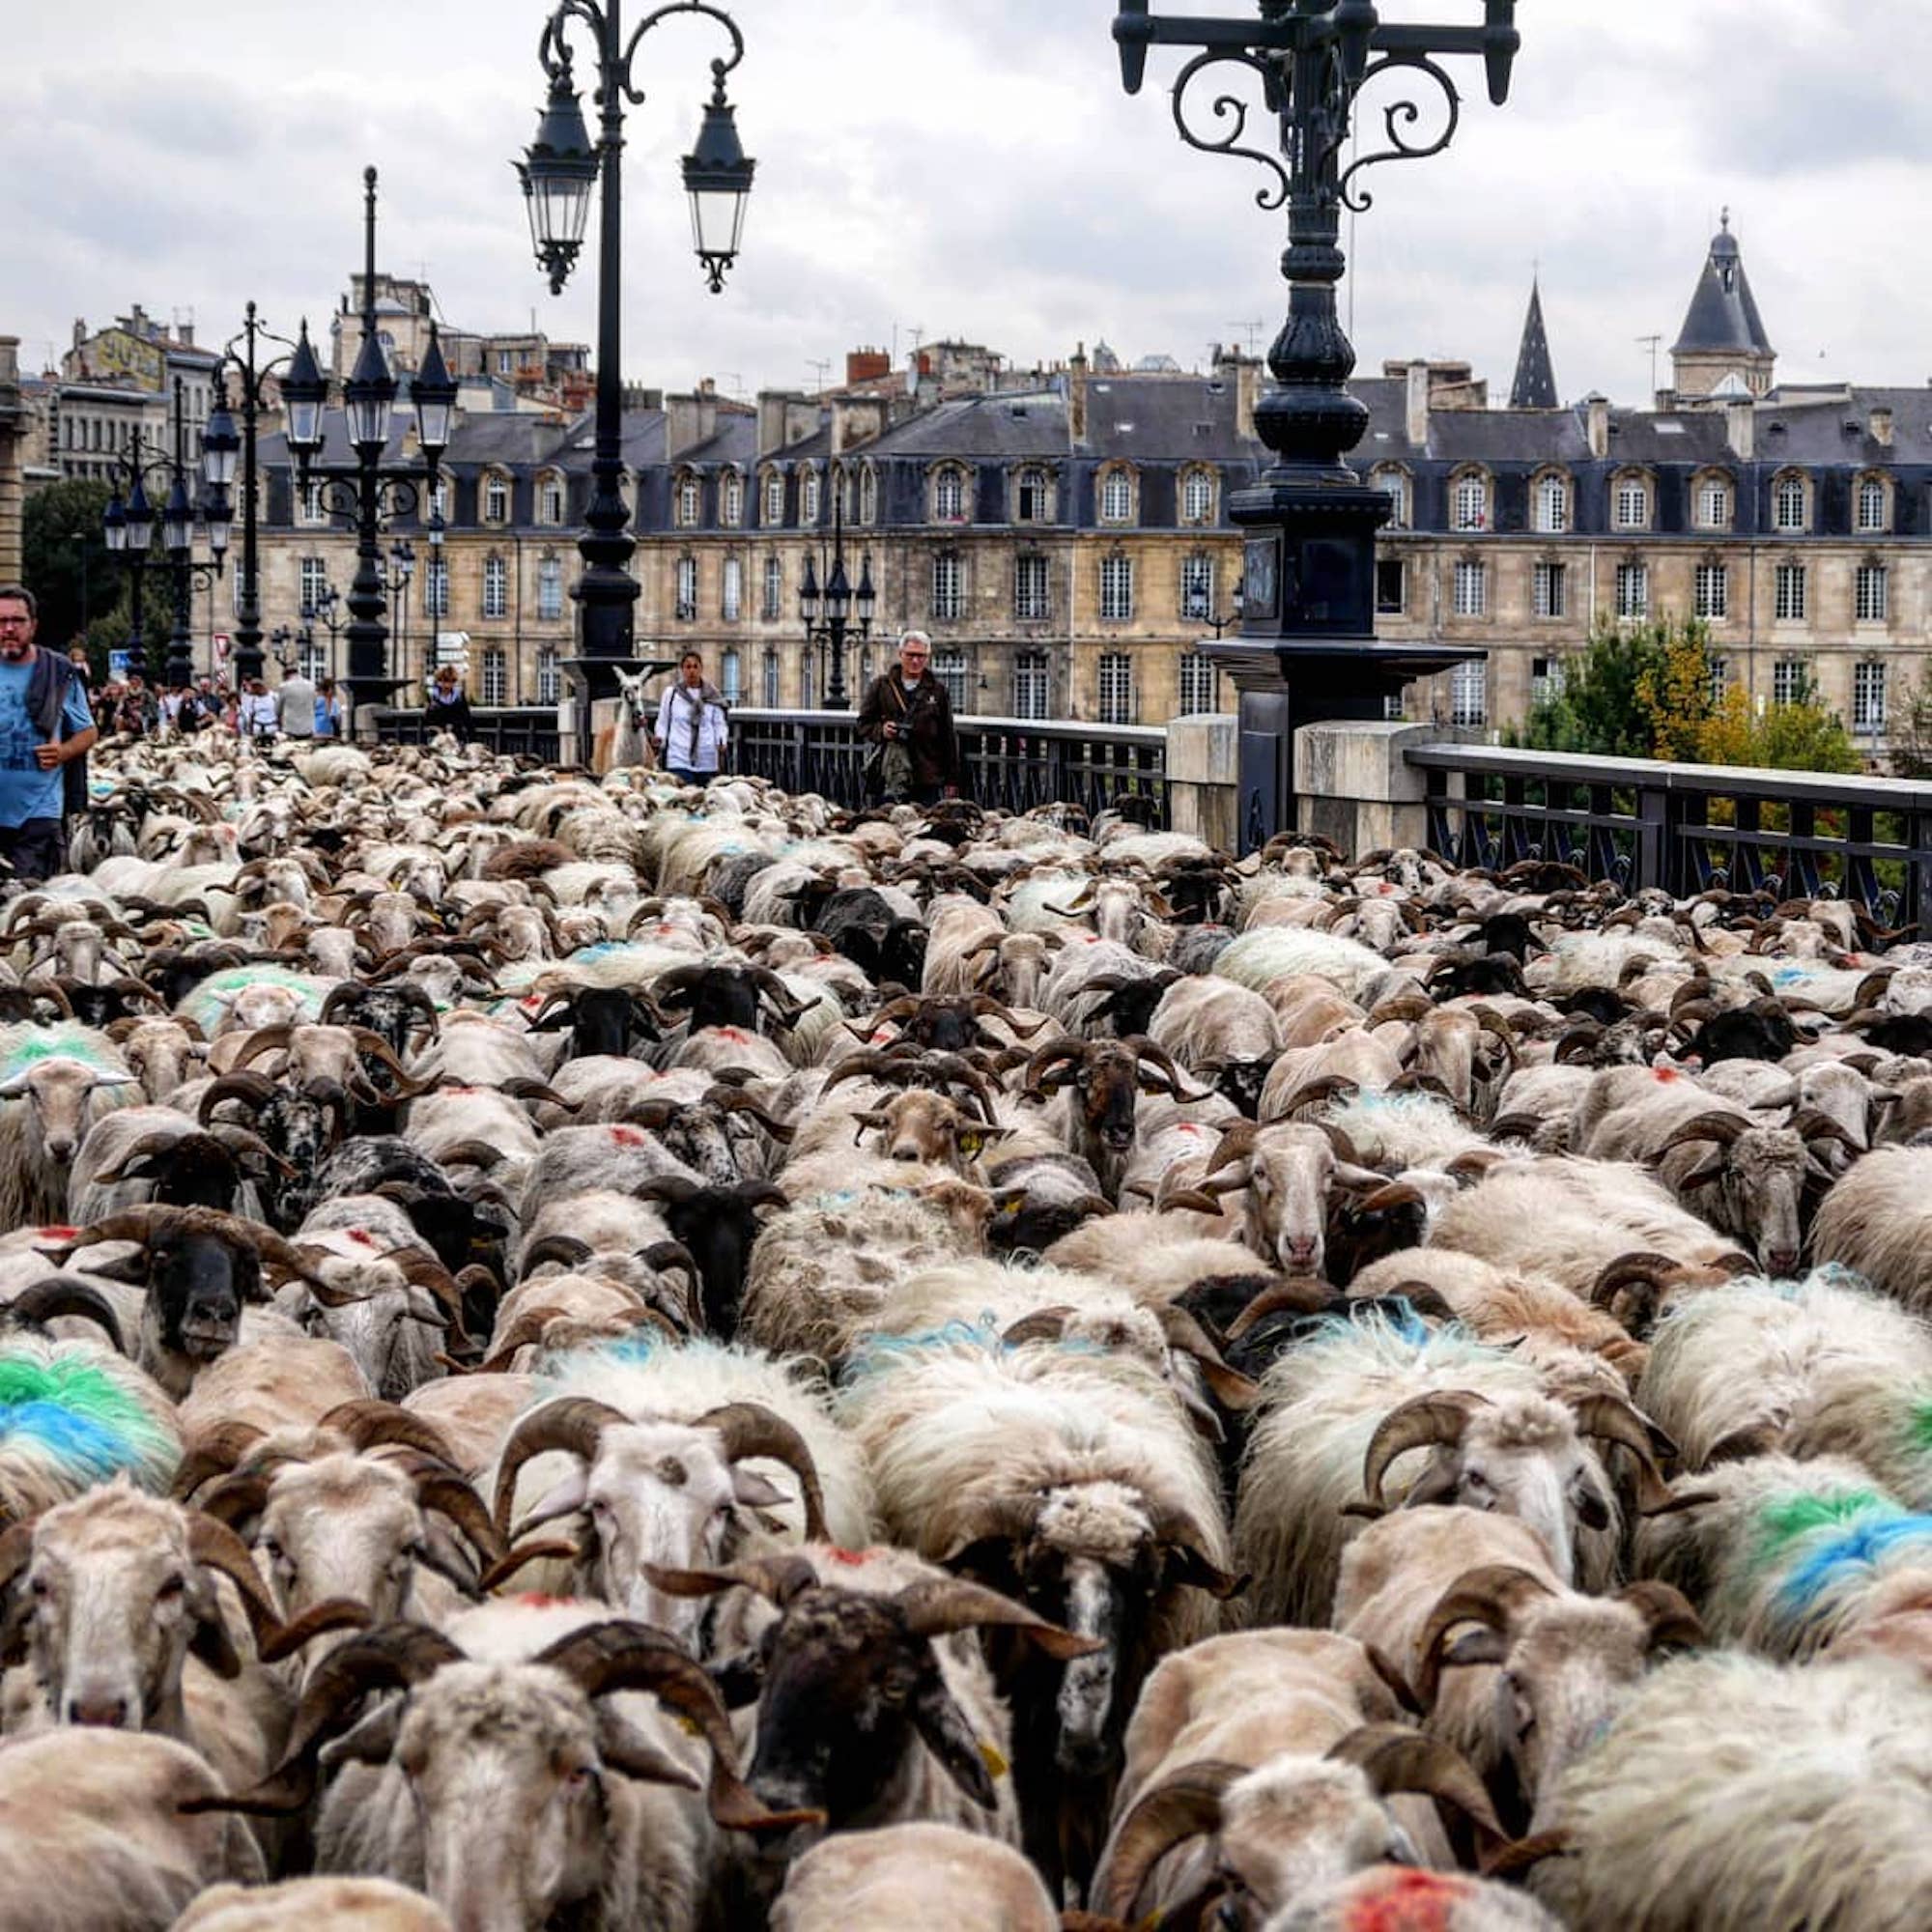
{"x":584,"y":1354}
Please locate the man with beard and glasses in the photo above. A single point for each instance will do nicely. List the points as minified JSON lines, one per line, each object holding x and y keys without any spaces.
{"x":45,"y":724}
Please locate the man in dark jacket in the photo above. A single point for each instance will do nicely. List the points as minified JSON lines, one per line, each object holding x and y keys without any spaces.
{"x":907,"y":719}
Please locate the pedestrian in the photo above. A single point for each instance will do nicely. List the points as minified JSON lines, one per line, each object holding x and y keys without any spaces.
{"x":255,"y":711}
{"x":46,"y":729}
{"x":138,"y":712}
{"x":693,"y":724}
{"x":907,"y":720}
{"x":77,"y":656}
{"x":295,"y":703}
{"x":448,"y":706}
{"x":327,"y":710}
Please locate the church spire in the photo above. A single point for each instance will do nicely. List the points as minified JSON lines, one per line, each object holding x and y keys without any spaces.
{"x":1535,"y":385}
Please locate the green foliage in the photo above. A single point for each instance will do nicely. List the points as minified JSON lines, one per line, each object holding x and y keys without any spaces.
{"x":1909,"y":727}
{"x":1599,"y":711}
{"x":1645,"y":691}
{"x":65,"y":559}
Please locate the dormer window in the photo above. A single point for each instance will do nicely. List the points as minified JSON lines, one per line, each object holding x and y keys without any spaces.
{"x":1471,"y":503}
{"x":1789,"y":506}
{"x":1631,"y":504}
{"x":495,"y":499}
{"x":1117,"y":498}
{"x":1197,"y":496}
{"x":1552,"y":505}
{"x":949,"y":497}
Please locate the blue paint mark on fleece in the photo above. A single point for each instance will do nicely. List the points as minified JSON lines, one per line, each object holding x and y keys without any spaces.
{"x":77,"y":1443}
{"x":1844,"y":1558}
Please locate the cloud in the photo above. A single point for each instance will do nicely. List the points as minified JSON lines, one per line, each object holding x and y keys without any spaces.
{"x":975,"y":168}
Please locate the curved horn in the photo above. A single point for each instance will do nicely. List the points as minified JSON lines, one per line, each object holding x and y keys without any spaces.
{"x":55,"y":1295}
{"x":1666,"y":1615}
{"x":946,"y":1605}
{"x":750,"y":1428}
{"x":1491,"y":1595}
{"x":565,"y":1248}
{"x":213,"y":1454}
{"x":369,"y":1424}
{"x":264,"y":1039}
{"x":1424,"y":1420}
{"x":1186,"y":1804}
{"x":1395,"y":1758}
{"x":216,"y":1547}
{"x":572,"y":1423}
{"x":452,"y":1498}
{"x":1610,"y":1419}
{"x":1714,"y":1125}
{"x":624,"y":1656}
{"x":252,"y":1086}
{"x":334,"y":1613}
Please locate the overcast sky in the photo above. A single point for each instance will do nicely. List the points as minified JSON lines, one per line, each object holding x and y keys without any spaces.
{"x":972,"y":168}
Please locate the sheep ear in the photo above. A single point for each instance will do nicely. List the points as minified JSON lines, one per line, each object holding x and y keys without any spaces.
{"x":949,"y":1739}
{"x":210,"y":1641}
{"x":369,"y":1742}
{"x":1477,"y":1646}
{"x":755,"y":1490}
{"x":1702,"y":1177}
{"x":563,"y":1500}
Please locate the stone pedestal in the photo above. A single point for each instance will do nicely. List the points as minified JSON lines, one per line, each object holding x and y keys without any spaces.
{"x":1202,"y":765}
{"x":1353,"y":786}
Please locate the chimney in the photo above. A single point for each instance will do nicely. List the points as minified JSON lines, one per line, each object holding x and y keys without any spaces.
{"x":1417,"y":411}
{"x":691,"y":420}
{"x":866,"y":365}
{"x":1741,"y":427}
{"x":1244,"y":373}
{"x":80,"y":330}
{"x":1599,"y":421}
{"x":1880,"y":424}
{"x":1076,"y":394}
{"x":855,"y":420}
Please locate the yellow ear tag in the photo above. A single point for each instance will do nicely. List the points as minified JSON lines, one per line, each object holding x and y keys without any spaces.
{"x":992,"y":1759}
{"x":689,"y":1725}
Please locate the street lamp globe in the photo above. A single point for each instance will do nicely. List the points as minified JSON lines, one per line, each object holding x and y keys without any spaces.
{"x":838,"y":593}
{"x":114,"y":524}
{"x":178,"y":519}
{"x":218,"y":512}
{"x":718,"y":179}
{"x":221,"y":442}
{"x":305,"y":390}
{"x":367,"y":396}
{"x":143,"y":528}
{"x":808,"y":593}
{"x":868,"y":597}
{"x":558,"y":171}
{"x":433,"y":390}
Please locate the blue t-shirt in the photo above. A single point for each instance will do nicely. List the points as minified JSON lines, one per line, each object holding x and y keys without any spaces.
{"x":25,"y":790}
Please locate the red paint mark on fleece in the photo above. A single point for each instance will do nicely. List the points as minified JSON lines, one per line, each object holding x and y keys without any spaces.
{"x":1665,"y":1074}
{"x":535,"y":1600}
{"x":731,"y":1033}
{"x":628,"y":1136}
{"x":60,"y":1233}
{"x":362,"y":1238}
{"x":856,"y":1558}
{"x":1410,"y":1901}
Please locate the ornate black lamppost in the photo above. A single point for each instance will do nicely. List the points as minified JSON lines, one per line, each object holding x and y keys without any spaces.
{"x":1307,"y":648}
{"x":371,"y":493}
{"x":558,"y":170}
{"x":132,"y":530}
{"x":831,"y":629}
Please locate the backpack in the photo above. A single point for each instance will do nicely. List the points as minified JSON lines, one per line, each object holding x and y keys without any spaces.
{"x":46,"y":695}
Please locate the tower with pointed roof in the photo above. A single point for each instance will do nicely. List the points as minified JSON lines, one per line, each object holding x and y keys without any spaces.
{"x":1723,"y":351}
{"x":1535,"y":385}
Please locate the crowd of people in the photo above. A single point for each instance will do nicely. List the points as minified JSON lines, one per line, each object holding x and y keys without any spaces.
{"x":128,"y":706}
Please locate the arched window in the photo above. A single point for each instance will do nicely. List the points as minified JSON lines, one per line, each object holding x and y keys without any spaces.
{"x":868,"y":494}
{"x":1874,"y":510}
{"x":1788,"y":504}
{"x":774,"y":500}
{"x":1197,"y":496}
{"x":1032,"y":495}
{"x":1713,"y":503}
{"x":550,"y":498}
{"x":1469,"y":503}
{"x":949,"y":497}
{"x":731,"y":500}
{"x":495,"y":498}
{"x":1552,"y":505}
{"x":808,"y":495}
{"x":1117,"y":498}
{"x":685,"y":508}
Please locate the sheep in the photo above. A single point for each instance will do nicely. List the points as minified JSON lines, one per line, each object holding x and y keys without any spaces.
{"x":822,"y":1266}
{"x":1335,"y":1414}
{"x":1564,"y":1220}
{"x":1258,"y":1768}
{"x":281,"y":1381}
{"x":1794,"y":1560}
{"x":1258,"y":957}
{"x":54,"y":1084}
{"x":1730,"y":1795}
{"x":670,"y":1448}
{"x":314,"y":1905}
{"x":1877,"y":1221}
{"x":1562,"y":1662}
{"x":113,"y":1589}
{"x":504,"y":1785}
{"x":883,"y":1880}
{"x":75,"y":1413}
{"x":1819,"y":1365}
{"x":1220,"y":1031}
{"x":1428,"y":1901}
{"x":95,"y":1839}
{"x":1064,"y":1479}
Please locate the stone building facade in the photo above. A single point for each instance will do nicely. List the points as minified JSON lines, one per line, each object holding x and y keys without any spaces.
{"x":1063,"y":534}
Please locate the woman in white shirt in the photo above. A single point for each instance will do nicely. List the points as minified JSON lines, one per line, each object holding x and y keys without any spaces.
{"x":256,"y":713}
{"x":693,"y":725}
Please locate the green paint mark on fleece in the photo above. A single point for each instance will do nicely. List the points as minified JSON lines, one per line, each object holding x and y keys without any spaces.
{"x":1920,"y":1428}
{"x":49,"y":1043}
{"x":1782,"y":1521}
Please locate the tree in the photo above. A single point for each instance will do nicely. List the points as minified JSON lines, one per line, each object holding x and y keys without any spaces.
{"x":65,"y":559}
{"x":1598,"y":709}
{"x":1910,"y":729}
